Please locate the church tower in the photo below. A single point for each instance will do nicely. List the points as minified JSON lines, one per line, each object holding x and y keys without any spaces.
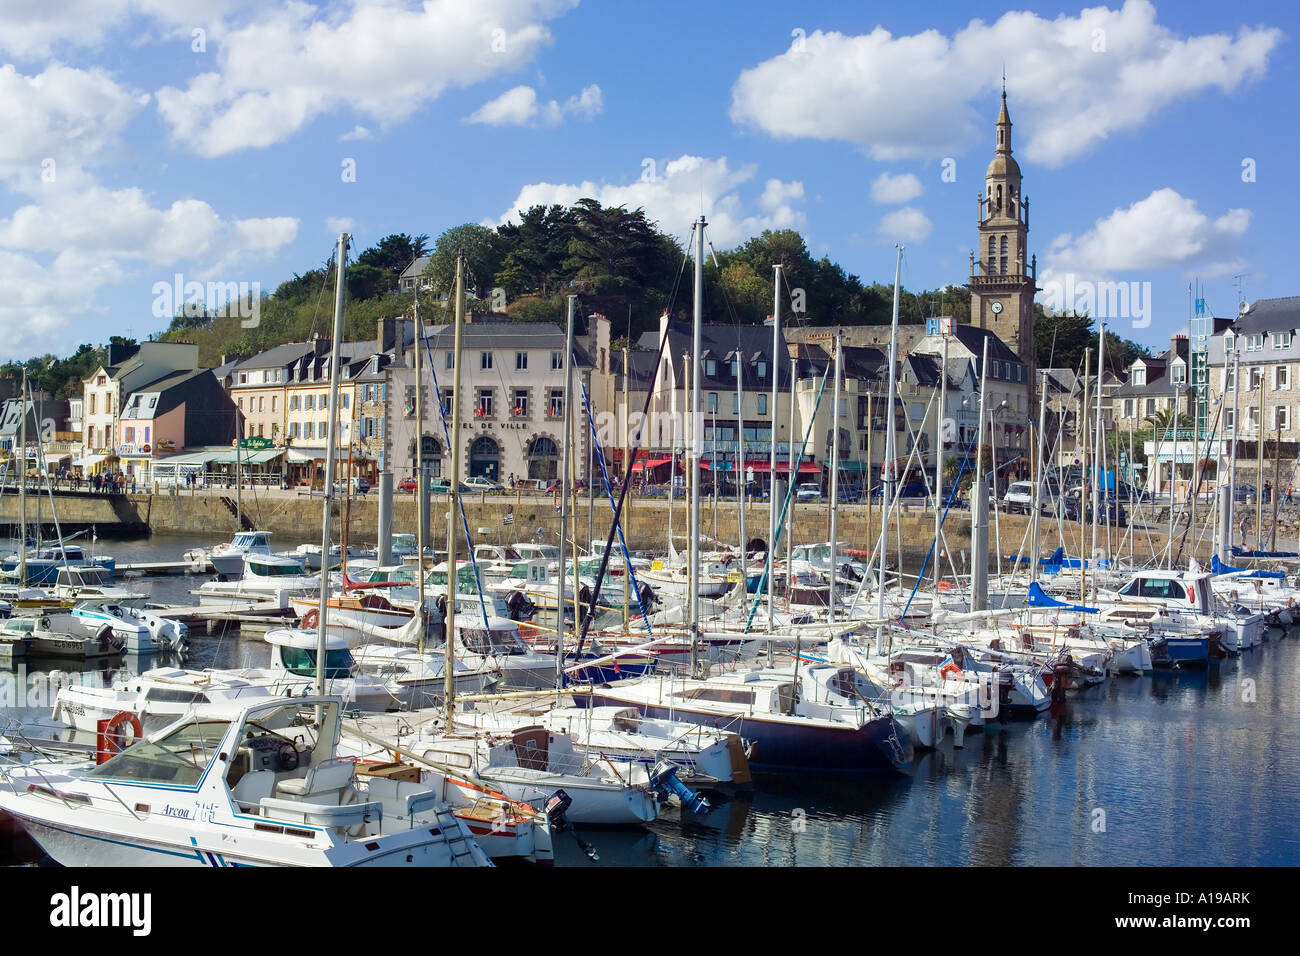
{"x":1002,"y":275}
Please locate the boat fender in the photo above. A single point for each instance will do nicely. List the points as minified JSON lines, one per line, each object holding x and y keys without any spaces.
{"x":309,"y":619}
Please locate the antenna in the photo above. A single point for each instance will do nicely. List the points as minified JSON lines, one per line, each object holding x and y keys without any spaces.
{"x":1239,"y":283}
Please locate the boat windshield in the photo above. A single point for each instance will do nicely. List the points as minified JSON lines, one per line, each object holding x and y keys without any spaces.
{"x":499,"y":641}
{"x":302,"y":661}
{"x":179,"y":759}
{"x":274,"y":570}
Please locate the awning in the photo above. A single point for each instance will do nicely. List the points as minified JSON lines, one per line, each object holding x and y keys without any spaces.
{"x":303,"y":454}
{"x":248,"y":457}
{"x":804,"y":467}
{"x":189,"y":458}
{"x":89,"y":461}
{"x":852,"y":467}
{"x":653,"y":463}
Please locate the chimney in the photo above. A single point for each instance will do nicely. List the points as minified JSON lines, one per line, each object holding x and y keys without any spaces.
{"x":386,"y":335}
{"x":320,"y":343}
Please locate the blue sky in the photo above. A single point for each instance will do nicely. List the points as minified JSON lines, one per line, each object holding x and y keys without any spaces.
{"x":131,"y":156}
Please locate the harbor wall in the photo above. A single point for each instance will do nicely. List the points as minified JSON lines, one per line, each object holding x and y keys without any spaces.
{"x":295,"y":517}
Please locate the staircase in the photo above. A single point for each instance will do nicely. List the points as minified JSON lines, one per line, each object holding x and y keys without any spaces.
{"x":245,"y":522}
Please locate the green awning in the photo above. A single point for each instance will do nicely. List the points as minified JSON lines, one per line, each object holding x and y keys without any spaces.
{"x":247,"y":458}
{"x":852,"y":467}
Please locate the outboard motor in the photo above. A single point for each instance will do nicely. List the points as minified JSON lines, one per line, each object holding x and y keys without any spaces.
{"x":663,"y":780}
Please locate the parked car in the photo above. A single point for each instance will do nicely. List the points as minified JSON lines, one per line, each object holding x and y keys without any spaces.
{"x":809,"y":491}
{"x":408,"y":484}
{"x":1019,"y":497}
{"x":1244,"y":491}
{"x":912,"y":489}
{"x":479,"y":484}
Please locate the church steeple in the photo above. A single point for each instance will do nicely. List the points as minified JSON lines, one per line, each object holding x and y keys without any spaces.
{"x":1003,"y":144}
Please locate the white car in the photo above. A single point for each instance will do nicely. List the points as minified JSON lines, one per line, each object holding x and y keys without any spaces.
{"x":1019,"y":497}
{"x":809,"y":491}
{"x":478,"y":483}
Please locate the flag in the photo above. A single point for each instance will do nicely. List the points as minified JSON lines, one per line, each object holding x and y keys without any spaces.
{"x":509,"y":518}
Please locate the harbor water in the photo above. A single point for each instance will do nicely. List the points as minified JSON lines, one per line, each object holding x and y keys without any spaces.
{"x":1192,"y":769}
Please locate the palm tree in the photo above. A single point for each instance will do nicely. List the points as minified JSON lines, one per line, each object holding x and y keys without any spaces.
{"x":1166,"y":420}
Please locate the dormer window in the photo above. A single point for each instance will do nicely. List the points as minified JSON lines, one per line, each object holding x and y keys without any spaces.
{"x":1179,"y":373}
{"x":760,"y":369}
{"x":1138,"y":375}
{"x":1281,"y":340}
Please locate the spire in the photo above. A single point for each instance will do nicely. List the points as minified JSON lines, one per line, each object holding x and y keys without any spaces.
{"x":1004,"y":122}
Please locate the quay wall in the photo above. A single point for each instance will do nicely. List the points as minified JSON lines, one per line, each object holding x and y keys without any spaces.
{"x":295,"y":517}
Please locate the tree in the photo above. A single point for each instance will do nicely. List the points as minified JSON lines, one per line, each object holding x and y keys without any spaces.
{"x":391,"y":256}
{"x":481,"y":248}
{"x":1164,"y":421}
{"x":534,"y":251}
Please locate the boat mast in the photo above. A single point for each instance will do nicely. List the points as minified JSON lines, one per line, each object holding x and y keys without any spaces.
{"x":1098,"y":458}
{"x":564,"y":500}
{"x":453,"y":500}
{"x":835,"y":465}
{"x":627,"y":576}
{"x":422,"y":494}
{"x":938,"y":466}
{"x":22,"y":488}
{"x":740,"y":460}
{"x":771,"y":475}
{"x":1236,"y":430}
{"x":1038,"y":481}
{"x":979,"y":504}
{"x":887,"y":466}
{"x":322,"y":610}
{"x":696,"y":443}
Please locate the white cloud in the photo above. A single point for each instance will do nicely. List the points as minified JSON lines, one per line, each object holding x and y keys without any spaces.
{"x":35,"y":30}
{"x":337,"y":224}
{"x":673,"y":192}
{"x":356,"y":133}
{"x":887,"y":189}
{"x":905,"y":225}
{"x":1073,"y":81}
{"x":1165,"y":230}
{"x":381,"y":58}
{"x":62,"y":114}
{"x":519,"y":107}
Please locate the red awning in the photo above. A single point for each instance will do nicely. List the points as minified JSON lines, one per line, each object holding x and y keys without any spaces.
{"x":653,"y":463}
{"x":804,"y":467}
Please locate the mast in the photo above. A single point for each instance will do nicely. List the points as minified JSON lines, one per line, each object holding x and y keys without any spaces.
{"x":1038,"y":482}
{"x":697,"y":431}
{"x":938,"y":465}
{"x":22,"y":489}
{"x":421,"y":495}
{"x":771,"y":475}
{"x":322,"y":610}
{"x":1259,"y":469}
{"x":979,"y":505}
{"x":1083,"y":472}
{"x":1236,"y":430}
{"x":453,"y":498}
{"x":887,"y":466}
{"x":835,"y":465}
{"x":627,"y":470}
{"x":564,"y":499}
{"x":740,"y":459}
{"x":1097,"y":457}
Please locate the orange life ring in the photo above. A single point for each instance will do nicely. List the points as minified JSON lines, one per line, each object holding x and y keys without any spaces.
{"x":1191,"y":595}
{"x":111,"y":740}
{"x":945,"y":585}
{"x":309,"y":619}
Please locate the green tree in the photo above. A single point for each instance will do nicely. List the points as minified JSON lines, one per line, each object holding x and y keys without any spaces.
{"x":482,"y":250}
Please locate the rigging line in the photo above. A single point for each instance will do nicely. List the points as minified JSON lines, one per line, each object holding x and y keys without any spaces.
{"x":604,"y":474}
{"x":469,"y":542}
{"x":789,"y":496}
{"x":627,"y":484}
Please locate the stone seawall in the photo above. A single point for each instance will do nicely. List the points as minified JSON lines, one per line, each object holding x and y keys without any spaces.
{"x":295,"y":517}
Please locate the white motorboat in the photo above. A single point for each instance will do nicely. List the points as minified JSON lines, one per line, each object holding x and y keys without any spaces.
{"x":267,"y":787}
{"x":143,"y":631}
{"x":266,"y":578}
{"x":158,"y":697}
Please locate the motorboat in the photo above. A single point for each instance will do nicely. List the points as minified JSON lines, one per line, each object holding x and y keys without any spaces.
{"x":265,"y":787}
{"x":266,"y":578}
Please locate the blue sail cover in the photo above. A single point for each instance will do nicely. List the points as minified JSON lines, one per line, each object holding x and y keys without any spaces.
{"x":1054,"y":558}
{"x":1218,"y":567}
{"x":1242,"y":553}
{"x":1039,"y":598}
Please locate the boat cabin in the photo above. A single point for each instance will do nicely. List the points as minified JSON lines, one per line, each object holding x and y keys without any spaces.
{"x":294,"y":650}
{"x":1190,"y":592}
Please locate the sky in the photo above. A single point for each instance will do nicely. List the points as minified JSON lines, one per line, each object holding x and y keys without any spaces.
{"x":230,"y":141}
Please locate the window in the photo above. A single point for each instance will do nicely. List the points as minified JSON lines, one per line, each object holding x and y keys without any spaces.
{"x":485,"y":402}
{"x":1281,"y":340}
{"x":557,"y":361}
{"x":1229,"y":380}
{"x":1128,"y":408}
{"x":521,"y":361}
{"x":485,"y":360}
{"x":345,"y":401}
{"x":322,"y":430}
{"x":308,"y":430}
{"x":153,"y":401}
{"x":1229,"y":343}
{"x":1252,"y":418}
{"x":762,"y":403}
{"x":102,"y":380}
{"x":294,"y":430}
{"x":273,"y":402}
{"x":241,"y":403}
{"x":448,"y":401}
{"x":735,"y":368}
{"x":1255,"y":343}
{"x":521,"y":402}
{"x":711,"y":368}
{"x":130,"y":436}
{"x":713,"y":402}
{"x":1179,"y":373}
{"x":1151,"y":407}
{"x":1282,"y":417}
{"x":309,"y":402}
{"x":451,"y":360}
{"x":324,"y":402}
{"x":555,"y":403}
{"x":1256,"y":378}
{"x":735,"y":402}
{"x":1229,"y":419}
{"x":761,"y":369}
{"x":92,"y":404}
{"x":1138,"y":375}
{"x":1282,"y":377}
